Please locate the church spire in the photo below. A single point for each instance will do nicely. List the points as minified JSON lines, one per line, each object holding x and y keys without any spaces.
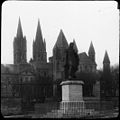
{"x":19,"y":46}
{"x":44,"y":43}
{"x":106,"y":63}
{"x":91,"y":49}
{"x":106,"y":58}
{"x":39,"y":50}
{"x":91,"y":52}
{"x":39,"y":32}
{"x":19,"y":29}
{"x":39,"y":38}
{"x":75,"y":46}
{"x":61,"y":41}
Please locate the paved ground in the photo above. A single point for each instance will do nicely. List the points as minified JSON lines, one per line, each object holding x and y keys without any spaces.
{"x":101,"y":115}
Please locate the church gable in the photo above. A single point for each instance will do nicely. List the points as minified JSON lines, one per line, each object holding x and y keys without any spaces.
{"x":83,"y":58}
{"x":86,"y":64}
{"x":26,"y":69}
{"x":61,"y":41}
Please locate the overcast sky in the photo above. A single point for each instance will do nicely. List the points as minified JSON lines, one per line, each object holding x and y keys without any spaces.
{"x":84,"y":21}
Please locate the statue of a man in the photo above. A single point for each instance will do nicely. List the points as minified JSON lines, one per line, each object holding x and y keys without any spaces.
{"x":72,"y":62}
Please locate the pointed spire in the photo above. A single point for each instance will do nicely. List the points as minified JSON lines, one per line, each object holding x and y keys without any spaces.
{"x":75,"y":46}
{"x":39,"y":32}
{"x":106,"y":58}
{"x":61,"y":41}
{"x":39,"y":38}
{"x":91,"y":49}
{"x":44,"y":43}
{"x":19,"y":29}
{"x":33,"y":44}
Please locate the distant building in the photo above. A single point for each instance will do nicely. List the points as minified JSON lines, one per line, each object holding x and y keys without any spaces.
{"x":38,"y":70}
{"x":22,"y":72}
{"x":87,"y":62}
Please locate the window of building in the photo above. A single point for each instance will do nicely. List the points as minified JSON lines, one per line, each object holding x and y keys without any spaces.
{"x":26,"y":79}
{"x":38,"y":69}
{"x":23,"y":79}
{"x":9,"y":82}
{"x":63,"y":59}
{"x":85,"y":67}
{"x":57,"y":65}
{"x":44,"y":73}
{"x":31,"y":78}
{"x":81,"y":68}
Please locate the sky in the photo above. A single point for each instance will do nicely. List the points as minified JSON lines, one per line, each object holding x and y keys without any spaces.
{"x":84,"y":21}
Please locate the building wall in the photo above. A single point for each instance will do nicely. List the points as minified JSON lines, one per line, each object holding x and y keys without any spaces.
{"x":86,"y":67}
{"x":7,"y":81}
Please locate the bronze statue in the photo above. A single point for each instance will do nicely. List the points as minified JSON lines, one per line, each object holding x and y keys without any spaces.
{"x":72,"y":62}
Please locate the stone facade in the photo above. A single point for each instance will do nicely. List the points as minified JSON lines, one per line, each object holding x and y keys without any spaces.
{"x":8,"y":78}
{"x":22,"y":72}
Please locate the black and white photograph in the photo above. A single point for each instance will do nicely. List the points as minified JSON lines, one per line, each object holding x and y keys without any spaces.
{"x":60,"y":59}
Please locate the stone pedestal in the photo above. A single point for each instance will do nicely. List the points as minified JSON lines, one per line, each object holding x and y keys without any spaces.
{"x":72,"y":91}
{"x":72,"y":97}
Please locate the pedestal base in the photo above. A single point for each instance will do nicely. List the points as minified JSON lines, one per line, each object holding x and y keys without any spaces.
{"x":72,"y":107}
{"x":72,"y":99}
{"x":72,"y":91}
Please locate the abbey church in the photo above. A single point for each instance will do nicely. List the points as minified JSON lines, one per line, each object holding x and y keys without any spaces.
{"x":39,"y":79}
